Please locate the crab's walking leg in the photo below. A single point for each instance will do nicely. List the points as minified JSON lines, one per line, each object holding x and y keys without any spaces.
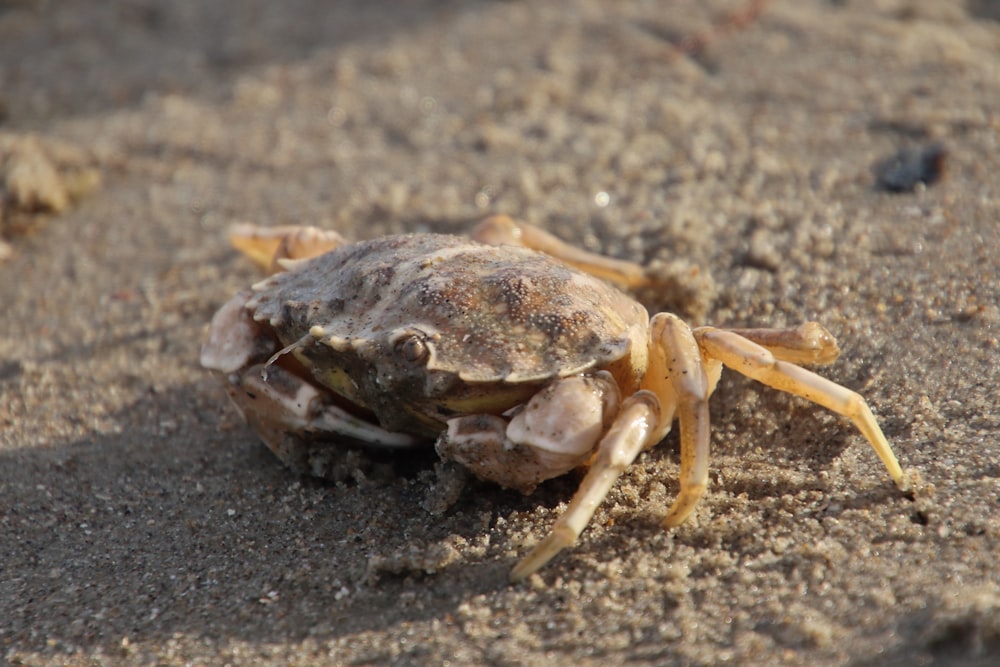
{"x":676,"y":382}
{"x":756,"y":362}
{"x":628,"y":435}
{"x":677,"y":375}
{"x":504,"y":230}
{"x":808,"y":343}
{"x":267,"y":246}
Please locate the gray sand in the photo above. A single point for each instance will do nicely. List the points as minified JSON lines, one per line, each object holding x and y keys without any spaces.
{"x":141,"y":522}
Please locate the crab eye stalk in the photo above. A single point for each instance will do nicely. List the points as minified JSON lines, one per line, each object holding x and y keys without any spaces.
{"x":412,"y":349}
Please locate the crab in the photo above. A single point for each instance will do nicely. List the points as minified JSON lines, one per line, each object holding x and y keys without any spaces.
{"x":517,"y":355}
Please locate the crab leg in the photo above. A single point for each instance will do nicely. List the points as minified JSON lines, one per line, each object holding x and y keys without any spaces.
{"x":676,"y":382}
{"x":627,"y":437}
{"x":267,"y":246}
{"x":757,"y":362}
{"x":808,"y":343}
{"x":504,"y":230}
{"x":677,"y":374}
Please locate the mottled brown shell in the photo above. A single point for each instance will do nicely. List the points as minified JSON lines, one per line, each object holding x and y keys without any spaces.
{"x":485,"y":314}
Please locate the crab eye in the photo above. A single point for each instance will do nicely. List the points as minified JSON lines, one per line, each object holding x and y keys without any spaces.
{"x":412,"y":348}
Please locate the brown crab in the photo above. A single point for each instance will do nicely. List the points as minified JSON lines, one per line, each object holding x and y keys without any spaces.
{"x":509,"y":352}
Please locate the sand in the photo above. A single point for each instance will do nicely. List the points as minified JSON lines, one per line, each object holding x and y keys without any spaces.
{"x":142,"y":523}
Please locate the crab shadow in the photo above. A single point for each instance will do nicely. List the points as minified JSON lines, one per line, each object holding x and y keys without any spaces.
{"x":186,"y":529}
{"x":180,"y":523}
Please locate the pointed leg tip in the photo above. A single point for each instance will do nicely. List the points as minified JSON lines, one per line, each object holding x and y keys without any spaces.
{"x":529,"y":565}
{"x":674,"y":519}
{"x":560,"y":538}
{"x":908,"y":482}
{"x":519,"y":573}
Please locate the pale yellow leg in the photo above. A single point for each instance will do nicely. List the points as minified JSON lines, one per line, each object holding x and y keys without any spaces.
{"x":675,"y":383}
{"x":678,"y":376}
{"x":808,"y":343}
{"x":756,"y":362}
{"x":679,"y":370}
{"x":626,"y":438}
{"x":504,"y":230}
{"x":267,"y":246}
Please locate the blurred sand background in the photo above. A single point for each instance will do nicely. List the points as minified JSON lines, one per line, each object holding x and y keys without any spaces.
{"x":142,"y":523}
